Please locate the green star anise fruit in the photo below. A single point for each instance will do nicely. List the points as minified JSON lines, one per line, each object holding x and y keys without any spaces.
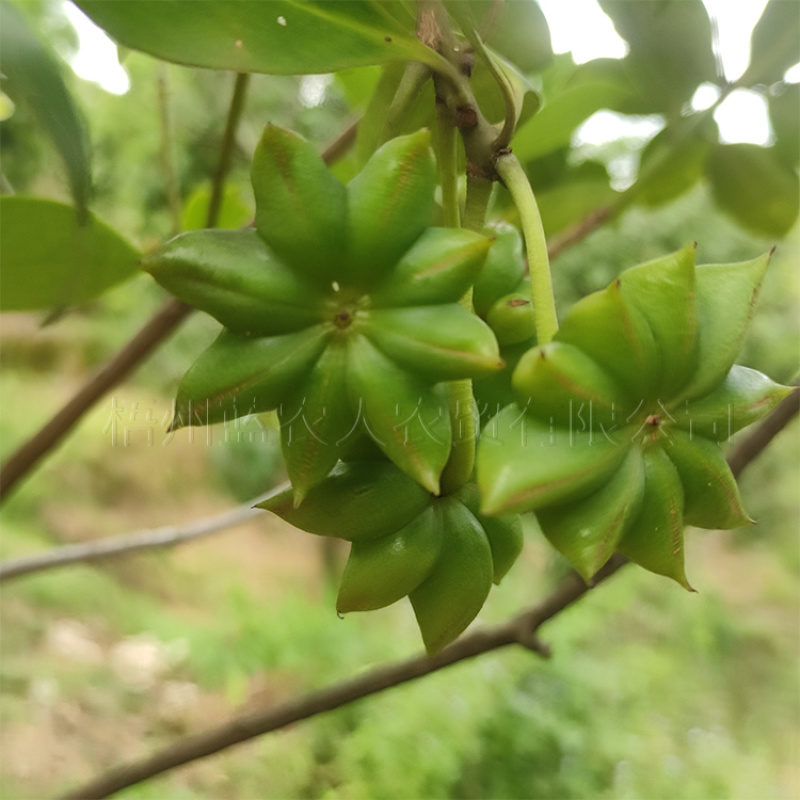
{"x":439,"y":551}
{"x":615,"y":439}
{"x":340,"y":310}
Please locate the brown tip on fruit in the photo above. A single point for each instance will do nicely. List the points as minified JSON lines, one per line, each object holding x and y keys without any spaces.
{"x":694,"y":244}
{"x":175,"y":425}
{"x":772,"y":250}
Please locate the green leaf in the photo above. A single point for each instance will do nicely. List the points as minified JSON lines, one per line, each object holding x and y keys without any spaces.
{"x":755,"y":187}
{"x":301,"y":209}
{"x":51,"y":258}
{"x":282,"y":37}
{"x":774,"y":43}
{"x":784,"y":111}
{"x":553,"y":126}
{"x":671,"y":48}
{"x":360,"y":501}
{"x":455,"y":591}
{"x":525,"y":464}
{"x":405,"y":415}
{"x":725,"y":295}
{"x":33,"y":75}
{"x":234,"y":212}
{"x":391,"y":203}
{"x":236,"y":376}
{"x":444,"y":342}
{"x":233,"y":276}
{"x":654,"y":540}
{"x":711,"y":496}
{"x":673,"y":161}
{"x":742,"y":398}
{"x":382,"y":571}
{"x":587,"y":532}
{"x":572,"y":199}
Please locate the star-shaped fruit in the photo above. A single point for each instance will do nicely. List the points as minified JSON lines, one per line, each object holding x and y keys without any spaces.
{"x":615,"y":439}
{"x":341,"y":310}
{"x":439,"y":551}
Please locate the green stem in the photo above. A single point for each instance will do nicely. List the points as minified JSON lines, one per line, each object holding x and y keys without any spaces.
{"x":544,"y":306}
{"x":463,"y":423}
{"x":479,"y":192}
{"x":446,"y":152}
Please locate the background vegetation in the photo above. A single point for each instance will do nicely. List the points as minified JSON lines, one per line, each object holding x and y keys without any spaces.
{"x":651,"y":693}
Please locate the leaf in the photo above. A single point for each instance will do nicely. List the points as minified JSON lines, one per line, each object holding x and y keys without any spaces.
{"x":50,"y":258}
{"x":360,"y":501}
{"x":282,"y":37}
{"x":784,"y":111}
{"x":234,"y":212}
{"x":774,"y":43}
{"x":572,"y":199}
{"x":553,"y":126}
{"x":34,"y":76}
{"x":671,"y":48}
{"x":673,"y":161}
{"x":380,"y":572}
{"x":752,"y":184}
{"x":455,"y":591}
{"x":301,"y":209}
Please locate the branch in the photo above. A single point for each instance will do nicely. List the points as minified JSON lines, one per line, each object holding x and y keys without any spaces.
{"x":154,"y":332}
{"x":521,"y":630}
{"x":169,"y":536}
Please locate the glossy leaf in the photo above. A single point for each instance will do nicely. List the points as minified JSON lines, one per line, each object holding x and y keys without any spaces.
{"x":444,"y":342}
{"x":455,"y":591}
{"x":654,"y":540}
{"x":301,"y":209}
{"x":283,"y":37}
{"x":233,"y":276}
{"x":755,"y":187}
{"x":671,"y":49}
{"x":359,"y":501}
{"x":52,"y":256}
{"x":774,"y":43}
{"x":711,"y":496}
{"x":382,"y":571}
{"x":33,"y":75}
{"x":236,"y":376}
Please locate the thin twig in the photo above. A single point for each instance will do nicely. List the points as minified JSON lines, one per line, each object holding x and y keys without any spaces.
{"x":168,"y":536}
{"x":579,"y":231}
{"x":154,"y":332}
{"x":521,"y":630}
